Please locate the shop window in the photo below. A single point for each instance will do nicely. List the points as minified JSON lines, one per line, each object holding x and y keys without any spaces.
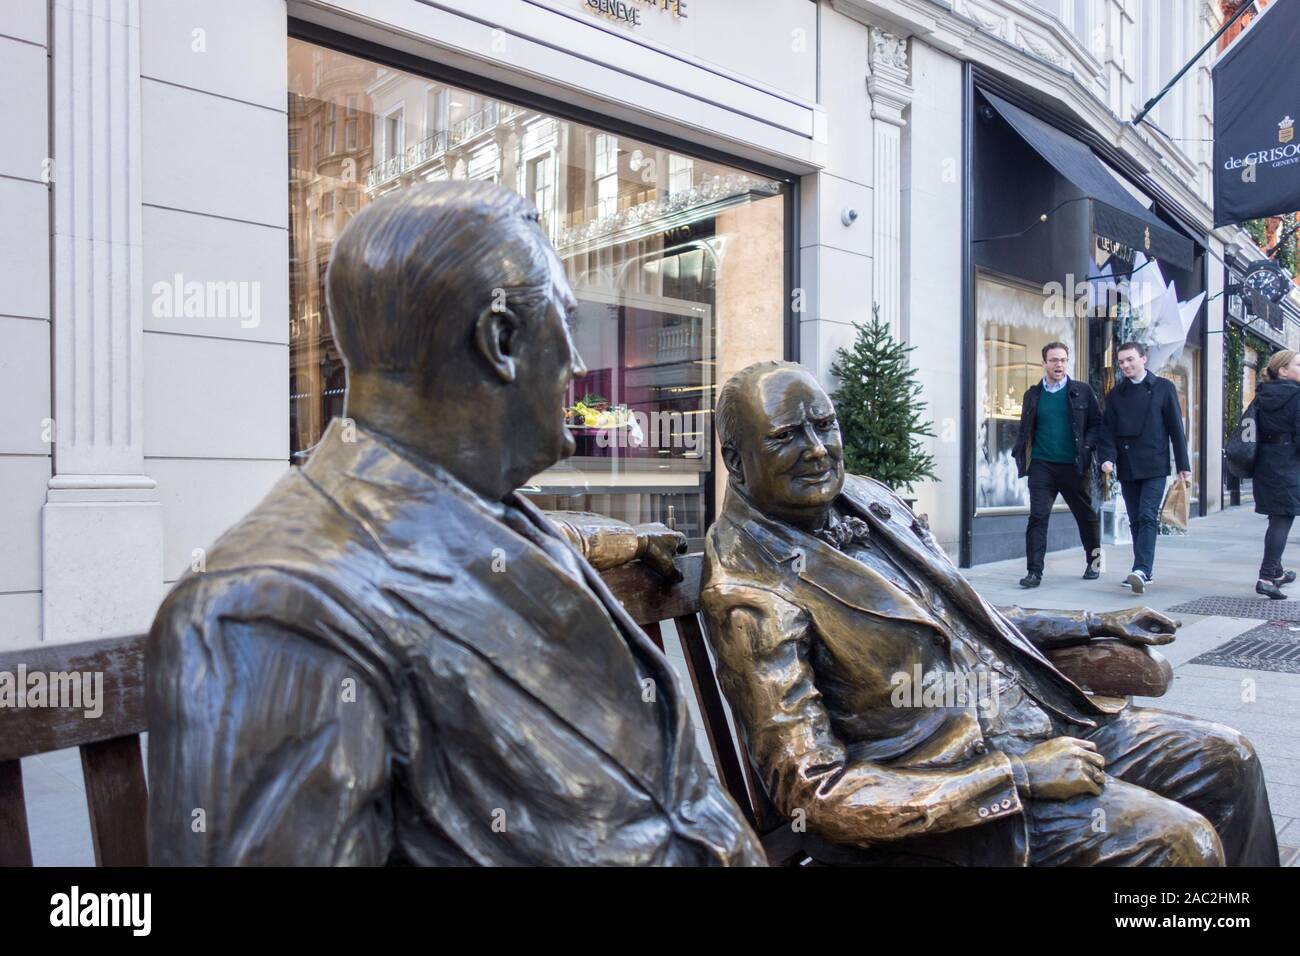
{"x":657,"y":296}
{"x":541,"y":172}
{"x":606,"y":174}
{"x":681,"y":174}
{"x":394,"y":134}
{"x":1015,"y":321}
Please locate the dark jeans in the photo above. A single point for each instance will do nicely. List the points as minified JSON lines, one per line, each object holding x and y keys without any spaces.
{"x":1047,"y":479}
{"x":1279,"y":527}
{"x":1143,"y":498}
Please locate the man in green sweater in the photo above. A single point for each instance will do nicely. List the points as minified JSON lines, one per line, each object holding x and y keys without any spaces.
{"x":1060,"y":426}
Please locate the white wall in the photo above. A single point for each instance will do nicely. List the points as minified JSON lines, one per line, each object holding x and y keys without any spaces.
{"x":215,"y":196}
{"x":834,"y":259}
{"x":932,"y":277}
{"x":25,"y":454}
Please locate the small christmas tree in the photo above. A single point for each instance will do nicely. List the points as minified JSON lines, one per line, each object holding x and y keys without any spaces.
{"x":877,"y":405}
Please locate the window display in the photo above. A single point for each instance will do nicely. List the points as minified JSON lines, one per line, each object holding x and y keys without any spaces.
{"x":678,"y":263}
{"x":1015,"y":322}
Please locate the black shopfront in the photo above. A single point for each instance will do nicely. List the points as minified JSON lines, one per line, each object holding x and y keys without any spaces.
{"x":1059,"y":248}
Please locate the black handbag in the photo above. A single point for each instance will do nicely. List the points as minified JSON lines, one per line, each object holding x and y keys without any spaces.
{"x":1243,"y":443}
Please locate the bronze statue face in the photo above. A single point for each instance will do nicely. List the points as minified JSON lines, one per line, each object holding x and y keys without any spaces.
{"x":788,"y":450}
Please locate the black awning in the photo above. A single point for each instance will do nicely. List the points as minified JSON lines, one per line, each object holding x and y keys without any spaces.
{"x":1116,"y":214}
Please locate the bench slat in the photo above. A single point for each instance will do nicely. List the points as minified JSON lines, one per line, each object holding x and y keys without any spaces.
{"x":117,"y":800}
{"x":37,"y":730}
{"x":713,"y":712}
{"x":15,"y":843}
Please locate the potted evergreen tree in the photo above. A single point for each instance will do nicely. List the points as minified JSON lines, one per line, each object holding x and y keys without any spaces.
{"x":879,"y":410}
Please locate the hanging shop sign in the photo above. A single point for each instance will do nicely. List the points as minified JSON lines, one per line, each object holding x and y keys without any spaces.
{"x":1256,"y":103}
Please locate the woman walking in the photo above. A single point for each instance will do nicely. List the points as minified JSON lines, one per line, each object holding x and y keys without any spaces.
{"x":1277,"y":465}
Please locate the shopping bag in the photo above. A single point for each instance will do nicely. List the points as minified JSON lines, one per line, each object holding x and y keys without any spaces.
{"x":1175,"y":512}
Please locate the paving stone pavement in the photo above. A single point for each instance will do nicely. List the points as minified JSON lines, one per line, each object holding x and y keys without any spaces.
{"x":1219,"y":558}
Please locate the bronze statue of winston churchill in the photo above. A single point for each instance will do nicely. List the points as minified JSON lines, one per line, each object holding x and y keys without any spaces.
{"x":395,"y":658}
{"x":824,"y":597}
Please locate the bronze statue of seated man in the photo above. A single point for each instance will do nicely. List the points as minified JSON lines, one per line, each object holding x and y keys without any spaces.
{"x":395,"y":658}
{"x":898,"y":716}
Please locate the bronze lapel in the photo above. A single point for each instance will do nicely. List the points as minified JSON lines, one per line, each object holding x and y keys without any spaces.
{"x":894,"y":520}
{"x":832,"y":572}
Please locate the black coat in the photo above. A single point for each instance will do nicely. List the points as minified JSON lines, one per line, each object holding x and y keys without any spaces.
{"x":1085,"y":423}
{"x":1277,"y":466}
{"x":1141,"y":422}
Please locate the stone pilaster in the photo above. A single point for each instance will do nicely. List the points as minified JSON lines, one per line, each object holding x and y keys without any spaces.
{"x":891,"y":94}
{"x":102,"y":522}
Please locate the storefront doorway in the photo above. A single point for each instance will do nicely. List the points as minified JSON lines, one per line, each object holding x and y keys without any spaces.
{"x":1062,"y":248}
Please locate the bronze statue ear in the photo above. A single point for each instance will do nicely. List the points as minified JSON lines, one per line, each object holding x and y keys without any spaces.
{"x":496,"y":335}
{"x":734,"y":464}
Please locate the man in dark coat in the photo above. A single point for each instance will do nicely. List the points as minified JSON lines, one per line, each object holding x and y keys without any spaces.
{"x":395,"y":658}
{"x":1060,"y":426}
{"x":1276,"y":481}
{"x":1142,"y":421}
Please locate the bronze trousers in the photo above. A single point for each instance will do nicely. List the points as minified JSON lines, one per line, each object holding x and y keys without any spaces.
{"x":1180,"y":791}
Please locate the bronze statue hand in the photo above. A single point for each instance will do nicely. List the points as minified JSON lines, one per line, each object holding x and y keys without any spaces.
{"x":1137,"y":625}
{"x":656,"y":544}
{"x":1064,"y":767}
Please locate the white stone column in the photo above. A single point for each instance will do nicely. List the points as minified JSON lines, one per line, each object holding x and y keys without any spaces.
{"x":102,"y":522}
{"x":891,"y":93}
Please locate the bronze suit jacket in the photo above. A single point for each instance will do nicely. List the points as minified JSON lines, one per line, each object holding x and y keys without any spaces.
{"x":807,"y":640}
{"x":375,"y":668}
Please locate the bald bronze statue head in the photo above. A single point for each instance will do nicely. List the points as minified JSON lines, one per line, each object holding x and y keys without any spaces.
{"x":781,"y":442}
{"x":451,"y":311}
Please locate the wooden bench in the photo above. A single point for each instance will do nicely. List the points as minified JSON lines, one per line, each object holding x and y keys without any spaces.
{"x":110,"y":748}
{"x":114,"y":772}
{"x":651,"y":601}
